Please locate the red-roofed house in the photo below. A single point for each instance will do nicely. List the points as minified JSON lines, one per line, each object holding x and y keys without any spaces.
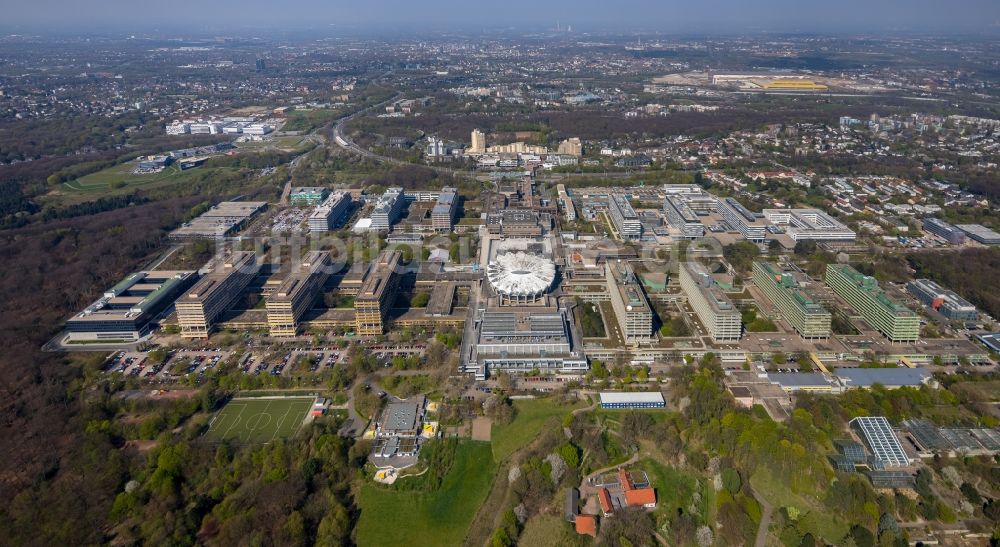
{"x":645,"y":497}
{"x":605,"y":498}
{"x":586,"y":524}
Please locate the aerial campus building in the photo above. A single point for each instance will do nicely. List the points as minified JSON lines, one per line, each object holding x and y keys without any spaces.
{"x":567,"y":202}
{"x":894,"y":320}
{"x":124,"y":312}
{"x":881,"y":440}
{"x":624,"y":217}
{"x":712,"y":306}
{"x":635,"y":316}
{"x":523,"y":339}
{"x":681,"y":216}
{"x":980,"y":233}
{"x":810,"y":224}
{"x":330,"y":213}
{"x":397,"y":431}
{"x":296,"y":294}
{"x":641,"y":399}
{"x":443,"y":213}
{"x":199,"y":309}
{"x":519,"y":277}
{"x":387,"y":209}
{"x":307,"y":195}
{"x":739,"y":218}
{"x":947,"y":232}
{"x":220,"y":221}
{"x":377,"y":293}
{"x":947,"y":303}
{"x":807,"y":317}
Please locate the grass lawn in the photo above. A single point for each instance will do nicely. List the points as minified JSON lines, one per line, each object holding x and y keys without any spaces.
{"x":259,"y":420}
{"x":533,"y":415}
{"x":119,"y":180}
{"x":814,"y":517}
{"x":441,"y":517}
{"x":548,"y":530}
{"x":675,"y":488}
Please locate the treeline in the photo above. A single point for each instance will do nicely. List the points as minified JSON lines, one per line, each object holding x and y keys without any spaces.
{"x":91,"y":207}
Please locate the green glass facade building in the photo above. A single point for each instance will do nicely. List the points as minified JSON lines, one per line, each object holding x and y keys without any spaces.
{"x":808,"y":318}
{"x":894,"y":320}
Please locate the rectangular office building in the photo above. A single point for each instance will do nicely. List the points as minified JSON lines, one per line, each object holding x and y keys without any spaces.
{"x":200,"y":308}
{"x":712,"y":306}
{"x":307,"y":195}
{"x":443,"y":213}
{"x":945,"y":231}
{"x":810,"y":224}
{"x":296,"y":294}
{"x":640,"y":399}
{"x":894,"y":320}
{"x":632,"y":309}
{"x":124,"y":312}
{"x":387,"y":209}
{"x":807,"y":317}
{"x":329,"y":214}
{"x":682,"y":217}
{"x":980,"y":234}
{"x":377,"y":293}
{"x":624,"y":217}
{"x":948,"y":303}
{"x":739,"y":218}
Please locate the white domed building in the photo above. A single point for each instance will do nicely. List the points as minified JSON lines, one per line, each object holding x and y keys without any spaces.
{"x":520,"y":278}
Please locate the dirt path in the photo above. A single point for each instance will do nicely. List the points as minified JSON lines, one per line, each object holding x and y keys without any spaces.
{"x":767,"y":511}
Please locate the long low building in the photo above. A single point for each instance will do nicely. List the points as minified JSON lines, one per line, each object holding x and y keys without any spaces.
{"x":523,"y":339}
{"x":810,"y":224}
{"x":124,"y":312}
{"x":641,"y":399}
{"x":220,"y":220}
{"x":751,"y":225}
{"x":200,"y":308}
{"x":894,"y":320}
{"x":808,"y":318}
{"x":714,"y":309}
{"x":948,"y":303}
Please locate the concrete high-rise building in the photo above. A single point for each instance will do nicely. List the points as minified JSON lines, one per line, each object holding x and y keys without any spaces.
{"x":571,"y":146}
{"x":387,"y":209}
{"x":296,"y":294}
{"x":624,"y":217}
{"x":894,"y":320}
{"x":716,"y":312}
{"x":635,"y":316}
{"x":330,"y":213}
{"x":377,"y":293}
{"x":443,"y":213}
{"x":808,"y":318}
{"x":199,"y":309}
{"x":478,"y":145}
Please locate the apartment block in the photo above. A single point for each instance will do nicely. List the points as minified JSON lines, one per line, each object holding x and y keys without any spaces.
{"x":200,"y":308}
{"x":808,"y":318}
{"x":894,"y":320}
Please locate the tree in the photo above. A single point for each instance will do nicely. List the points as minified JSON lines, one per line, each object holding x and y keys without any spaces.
{"x":805,"y":247}
{"x":774,"y":247}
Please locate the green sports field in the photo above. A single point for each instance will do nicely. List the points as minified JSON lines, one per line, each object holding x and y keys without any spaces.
{"x":259,"y":420}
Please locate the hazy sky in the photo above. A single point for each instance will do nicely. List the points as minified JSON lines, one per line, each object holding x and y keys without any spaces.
{"x":692,"y":16}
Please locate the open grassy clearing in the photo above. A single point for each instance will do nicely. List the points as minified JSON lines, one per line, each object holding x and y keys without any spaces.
{"x":119,"y":180}
{"x":441,"y":517}
{"x":260,"y":420}
{"x":814,"y":516}
{"x":533,"y":415}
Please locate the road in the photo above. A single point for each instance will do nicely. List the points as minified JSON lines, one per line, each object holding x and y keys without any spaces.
{"x":766,"y":512}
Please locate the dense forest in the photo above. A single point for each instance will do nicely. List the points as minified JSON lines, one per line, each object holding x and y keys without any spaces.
{"x":971,"y":273}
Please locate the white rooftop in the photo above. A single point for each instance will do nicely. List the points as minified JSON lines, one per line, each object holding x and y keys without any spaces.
{"x":615,"y":397}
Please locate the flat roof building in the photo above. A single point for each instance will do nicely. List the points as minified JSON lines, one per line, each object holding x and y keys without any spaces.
{"x":642,"y":399}
{"x":681,"y":217}
{"x":890,"y":378}
{"x":443,"y":213}
{"x":810,"y":224}
{"x":377,"y":293}
{"x":220,"y":220}
{"x":881,"y":440}
{"x":307,"y":195}
{"x":569,"y":209}
{"x":980,"y":233}
{"x":329,"y":214}
{"x":387,"y":209}
{"x":712,"y":306}
{"x":807,"y":317}
{"x":296,"y":294}
{"x":624,"y":217}
{"x":894,"y":320}
{"x":124,"y":312}
{"x":523,"y":339}
{"x":948,"y":303}
{"x":199,"y":309}
{"x":945,"y":231}
{"x":739,"y":218}
{"x":632,"y":309}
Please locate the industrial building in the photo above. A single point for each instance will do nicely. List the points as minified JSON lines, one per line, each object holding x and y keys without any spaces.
{"x":947,"y":232}
{"x":220,"y":221}
{"x":523,"y":339}
{"x":947,"y":303}
{"x":716,"y":312}
{"x":881,"y":440}
{"x":296,"y":294}
{"x":200,"y":308}
{"x":740,"y":219}
{"x":307,"y":195}
{"x":641,"y":399}
{"x":980,"y":234}
{"x":624,"y":217}
{"x":377,"y":293}
{"x":124,"y":312}
{"x":632,"y":309}
{"x":387,"y":209}
{"x":443,"y":213}
{"x":810,"y":224}
{"x":330,"y":213}
{"x":894,"y":320}
{"x":808,"y":318}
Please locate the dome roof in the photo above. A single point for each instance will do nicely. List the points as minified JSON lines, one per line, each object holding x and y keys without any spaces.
{"x":521,"y":274}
